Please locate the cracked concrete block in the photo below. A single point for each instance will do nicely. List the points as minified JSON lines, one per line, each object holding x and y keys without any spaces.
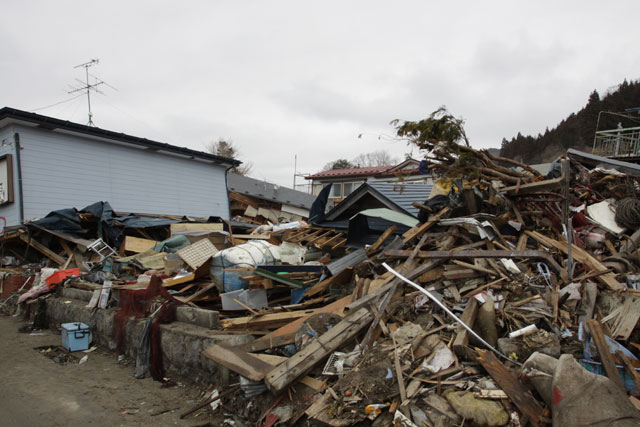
{"x":77,"y":294}
{"x":208,"y":319}
{"x":193,"y":348}
{"x":182,"y":343}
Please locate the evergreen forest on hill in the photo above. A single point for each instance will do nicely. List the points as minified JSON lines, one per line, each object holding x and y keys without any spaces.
{"x":576,"y":131}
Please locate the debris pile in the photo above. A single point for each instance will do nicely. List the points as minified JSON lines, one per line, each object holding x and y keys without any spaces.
{"x":515,"y":294}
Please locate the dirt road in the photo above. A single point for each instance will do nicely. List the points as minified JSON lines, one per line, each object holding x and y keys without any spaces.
{"x":36,"y":391}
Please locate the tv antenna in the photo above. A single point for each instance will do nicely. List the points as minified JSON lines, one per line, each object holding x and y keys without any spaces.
{"x":88,"y":87}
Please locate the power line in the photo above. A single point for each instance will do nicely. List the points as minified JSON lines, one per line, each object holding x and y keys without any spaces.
{"x":57,"y":103}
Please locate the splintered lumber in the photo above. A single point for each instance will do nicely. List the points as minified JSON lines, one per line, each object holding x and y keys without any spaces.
{"x":272,"y":342}
{"x":178,"y":280}
{"x":66,"y":248}
{"x":422,"y":207}
{"x":396,"y":362}
{"x":474,"y":267}
{"x":42,"y":249}
{"x":332,"y":241}
{"x":322,"y":286}
{"x":522,"y":242}
{"x":622,"y":325}
{"x":299,"y":364}
{"x":466,"y":273}
{"x":582,"y":257}
{"x":197,"y":294}
{"x":384,"y":236}
{"x":628,"y":366}
{"x":240,"y":362}
{"x":468,"y":318}
{"x":269,"y":320}
{"x":520,"y":396}
{"x":421,"y":228}
{"x":318,"y":411}
{"x":336,"y":307}
{"x":382,"y":304}
{"x":605,"y":356}
{"x":399,"y":253}
{"x":274,"y":360}
{"x":534,"y":187}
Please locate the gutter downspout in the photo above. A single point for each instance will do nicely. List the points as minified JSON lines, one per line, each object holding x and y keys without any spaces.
{"x":226,"y":187}
{"x":16,"y":139}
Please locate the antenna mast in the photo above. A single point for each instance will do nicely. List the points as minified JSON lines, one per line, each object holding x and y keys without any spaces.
{"x":86,"y":86}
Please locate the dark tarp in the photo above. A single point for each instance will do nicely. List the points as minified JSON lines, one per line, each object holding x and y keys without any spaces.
{"x":109,"y":225}
{"x":316,"y":214}
{"x":365,"y":230}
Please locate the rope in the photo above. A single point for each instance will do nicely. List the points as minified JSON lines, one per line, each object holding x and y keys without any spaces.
{"x":628,"y":213}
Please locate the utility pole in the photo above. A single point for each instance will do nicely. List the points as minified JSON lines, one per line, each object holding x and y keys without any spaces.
{"x":88,"y":87}
{"x":296,"y":174}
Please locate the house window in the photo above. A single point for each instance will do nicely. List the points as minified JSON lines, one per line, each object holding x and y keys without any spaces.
{"x":350,"y":187}
{"x":347,"y":188}
{"x":336,"y":190}
{"x":6,"y":179}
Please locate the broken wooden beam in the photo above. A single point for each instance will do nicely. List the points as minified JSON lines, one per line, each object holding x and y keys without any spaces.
{"x":533,"y":254}
{"x":42,"y":249}
{"x":518,"y":394}
{"x":582,"y":257}
{"x":383,"y":237}
{"x":240,"y":362}
{"x":268,"y":320}
{"x":462,"y":336}
{"x":336,"y":307}
{"x":316,"y":351}
{"x":421,"y":228}
{"x":608,"y":363}
{"x":534,"y":187}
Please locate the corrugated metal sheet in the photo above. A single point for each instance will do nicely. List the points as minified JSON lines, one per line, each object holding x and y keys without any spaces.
{"x":404,"y":195}
{"x":271,"y":192}
{"x":349,"y":260}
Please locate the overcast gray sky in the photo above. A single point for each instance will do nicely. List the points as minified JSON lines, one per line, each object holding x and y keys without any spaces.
{"x":281,"y":78}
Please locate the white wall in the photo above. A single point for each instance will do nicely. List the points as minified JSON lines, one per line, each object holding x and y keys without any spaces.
{"x":62,"y":171}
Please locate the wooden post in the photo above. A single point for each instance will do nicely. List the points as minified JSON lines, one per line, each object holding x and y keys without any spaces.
{"x":510,"y":385}
{"x":605,"y":356}
{"x":303,"y":361}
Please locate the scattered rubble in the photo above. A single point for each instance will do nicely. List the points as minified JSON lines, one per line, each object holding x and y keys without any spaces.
{"x":515,"y":292}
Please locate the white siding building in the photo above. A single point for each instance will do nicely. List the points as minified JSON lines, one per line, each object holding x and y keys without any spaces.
{"x":62,"y":164}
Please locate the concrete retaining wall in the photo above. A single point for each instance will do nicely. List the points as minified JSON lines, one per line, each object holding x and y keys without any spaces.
{"x":182,"y":340}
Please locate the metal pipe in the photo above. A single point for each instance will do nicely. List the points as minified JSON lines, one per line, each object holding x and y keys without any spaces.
{"x":449,"y":312}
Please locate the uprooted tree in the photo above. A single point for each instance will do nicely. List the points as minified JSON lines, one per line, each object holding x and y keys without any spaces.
{"x":448,"y":152}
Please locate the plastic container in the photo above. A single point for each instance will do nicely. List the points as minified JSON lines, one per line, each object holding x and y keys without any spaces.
{"x":247,"y":255}
{"x":60,"y":275}
{"x":172,"y":264}
{"x":76,"y":336}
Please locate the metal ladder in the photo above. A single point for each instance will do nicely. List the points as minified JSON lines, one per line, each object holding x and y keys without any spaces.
{"x":102,"y":249}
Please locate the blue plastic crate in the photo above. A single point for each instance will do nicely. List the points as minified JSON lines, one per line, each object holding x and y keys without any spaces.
{"x":76,"y":336}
